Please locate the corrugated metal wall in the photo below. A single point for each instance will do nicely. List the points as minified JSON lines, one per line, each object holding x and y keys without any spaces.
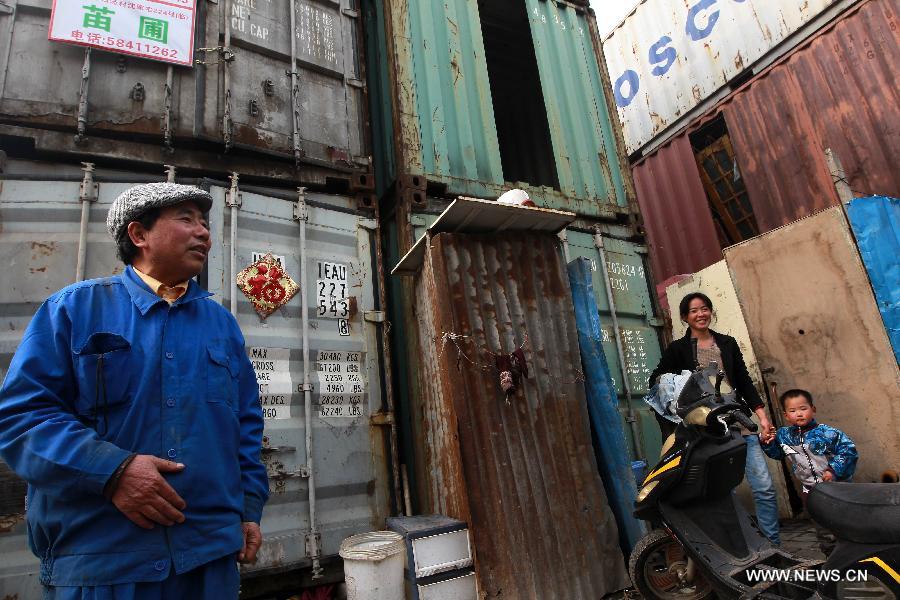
{"x":522,"y":472}
{"x":680,"y":230}
{"x":838,"y":92}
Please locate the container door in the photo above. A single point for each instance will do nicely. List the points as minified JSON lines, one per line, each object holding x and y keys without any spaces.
{"x":580,"y":123}
{"x":637,"y":321}
{"x":330,"y":93}
{"x":349,"y":457}
{"x":40,"y":80}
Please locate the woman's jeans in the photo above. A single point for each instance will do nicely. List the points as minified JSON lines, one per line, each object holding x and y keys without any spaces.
{"x":760,"y":481}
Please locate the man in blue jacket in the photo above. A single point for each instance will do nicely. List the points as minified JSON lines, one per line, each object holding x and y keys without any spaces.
{"x":132,"y":411}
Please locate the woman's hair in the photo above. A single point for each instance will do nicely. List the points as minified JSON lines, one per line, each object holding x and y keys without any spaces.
{"x":686,"y":302}
{"x":795,"y":393}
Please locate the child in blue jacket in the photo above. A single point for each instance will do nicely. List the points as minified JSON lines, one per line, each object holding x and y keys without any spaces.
{"x":816,"y":452}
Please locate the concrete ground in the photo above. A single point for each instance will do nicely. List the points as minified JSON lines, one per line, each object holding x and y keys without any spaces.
{"x":798,"y":537}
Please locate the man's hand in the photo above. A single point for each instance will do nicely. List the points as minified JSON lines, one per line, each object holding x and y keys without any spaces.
{"x":252,"y":542}
{"x":145,"y":497}
{"x":766,"y":430}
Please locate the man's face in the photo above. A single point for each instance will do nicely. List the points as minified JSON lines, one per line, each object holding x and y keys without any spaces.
{"x":176,"y":246}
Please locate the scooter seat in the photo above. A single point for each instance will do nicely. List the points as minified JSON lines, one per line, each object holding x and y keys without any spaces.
{"x":865,"y":513}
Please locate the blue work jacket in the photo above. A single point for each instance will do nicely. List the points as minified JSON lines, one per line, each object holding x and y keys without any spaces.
{"x":174,"y":382}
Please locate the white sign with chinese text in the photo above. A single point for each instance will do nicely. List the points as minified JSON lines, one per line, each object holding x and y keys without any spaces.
{"x":156,"y":29}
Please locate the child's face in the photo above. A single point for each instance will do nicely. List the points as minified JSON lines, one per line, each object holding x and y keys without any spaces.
{"x":798,"y":411}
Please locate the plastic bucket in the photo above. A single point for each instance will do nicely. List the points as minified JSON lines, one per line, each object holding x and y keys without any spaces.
{"x":373,"y":566}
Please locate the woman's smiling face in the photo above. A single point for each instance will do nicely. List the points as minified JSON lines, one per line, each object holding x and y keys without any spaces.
{"x":698,"y":315}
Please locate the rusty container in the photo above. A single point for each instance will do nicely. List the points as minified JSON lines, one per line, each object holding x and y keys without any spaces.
{"x":244,"y":98}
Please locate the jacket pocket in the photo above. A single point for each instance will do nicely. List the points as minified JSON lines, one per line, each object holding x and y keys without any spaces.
{"x":105,"y":366}
{"x":221,"y":377}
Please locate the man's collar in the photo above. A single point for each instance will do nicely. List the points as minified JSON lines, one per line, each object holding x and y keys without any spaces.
{"x":155,"y":284}
{"x":144,"y":297}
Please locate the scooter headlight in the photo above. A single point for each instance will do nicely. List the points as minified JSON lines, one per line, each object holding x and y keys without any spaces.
{"x":645,"y":491}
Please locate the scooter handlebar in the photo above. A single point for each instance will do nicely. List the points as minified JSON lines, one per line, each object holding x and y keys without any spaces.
{"x":744,"y":420}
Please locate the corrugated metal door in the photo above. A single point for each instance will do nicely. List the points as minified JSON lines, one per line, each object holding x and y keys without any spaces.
{"x":452,"y":94}
{"x":38,"y":248}
{"x":581,"y":127}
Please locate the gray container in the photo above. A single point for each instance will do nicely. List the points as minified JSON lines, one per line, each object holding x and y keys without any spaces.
{"x":41,"y":82}
{"x":38,"y":250}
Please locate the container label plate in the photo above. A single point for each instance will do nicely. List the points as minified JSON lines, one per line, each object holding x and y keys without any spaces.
{"x":342,"y":384}
{"x":331,"y":291}
{"x":160,"y":30}
{"x":277,"y":391}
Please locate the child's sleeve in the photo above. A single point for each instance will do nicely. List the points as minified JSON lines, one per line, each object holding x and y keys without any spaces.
{"x":844,"y":455}
{"x":773,"y":448}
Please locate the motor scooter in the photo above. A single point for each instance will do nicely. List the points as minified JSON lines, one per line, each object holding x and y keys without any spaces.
{"x":703,"y":542}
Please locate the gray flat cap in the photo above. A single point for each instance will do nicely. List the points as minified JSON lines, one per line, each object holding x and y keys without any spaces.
{"x":135,"y":201}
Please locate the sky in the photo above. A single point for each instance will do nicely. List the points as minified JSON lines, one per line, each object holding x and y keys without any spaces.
{"x":610,"y":13}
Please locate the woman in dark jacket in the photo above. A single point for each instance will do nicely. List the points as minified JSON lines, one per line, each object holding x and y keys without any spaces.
{"x":696,"y":310}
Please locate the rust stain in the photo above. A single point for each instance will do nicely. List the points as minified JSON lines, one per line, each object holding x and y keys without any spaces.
{"x":42,"y":249}
{"x":38,"y":270}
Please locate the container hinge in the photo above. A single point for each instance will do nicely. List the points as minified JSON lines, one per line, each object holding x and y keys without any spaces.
{"x":349,"y":12}
{"x":89,"y":191}
{"x":234,"y":198}
{"x":301,"y":211}
{"x":170,"y":173}
{"x":356,"y":83}
{"x":382,"y":419}
{"x":305,"y":387}
{"x":313,"y":543}
{"x":4,"y":9}
{"x":374,"y":316}
{"x":641,"y":249}
{"x":655,"y":322}
{"x":369,"y":224}
{"x":224,"y":53}
{"x":630,"y":419}
{"x":275,"y":449}
{"x":302,"y":472}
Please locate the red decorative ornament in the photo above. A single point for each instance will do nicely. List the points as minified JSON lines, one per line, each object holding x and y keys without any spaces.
{"x":267,"y":285}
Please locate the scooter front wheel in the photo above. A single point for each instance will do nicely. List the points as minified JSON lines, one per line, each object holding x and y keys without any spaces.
{"x":659,"y":569}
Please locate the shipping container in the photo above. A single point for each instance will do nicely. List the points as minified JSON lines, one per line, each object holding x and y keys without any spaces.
{"x":838,"y":92}
{"x":669,"y":56}
{"x":349,"y":468}
{"x":238,"y":96}
{"x":472,"y":100}
{"x":758,"y":160}
{"x":715,"y":282}
{"x":812,"y":317}
{"x":519,"y":468}
{"x":681,"y":234}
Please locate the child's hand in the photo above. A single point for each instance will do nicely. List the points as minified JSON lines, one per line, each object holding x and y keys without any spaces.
{"x":828,"y":475}
{"x":766,"y":437}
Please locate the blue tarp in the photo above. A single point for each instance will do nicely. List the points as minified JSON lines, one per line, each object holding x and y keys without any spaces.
{"x":876,"y":225}
{"x":613,"y":458}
